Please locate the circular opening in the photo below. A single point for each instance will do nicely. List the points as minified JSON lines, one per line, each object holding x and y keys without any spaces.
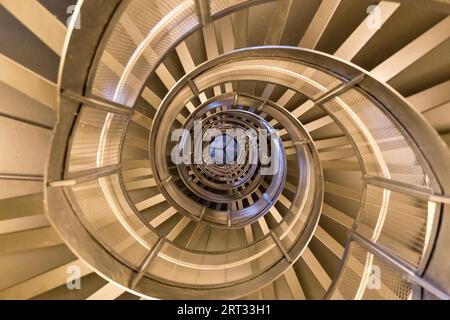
{"x":224,"y":150}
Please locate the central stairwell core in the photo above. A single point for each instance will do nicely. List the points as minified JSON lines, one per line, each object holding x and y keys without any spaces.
{"x":231,"y":195}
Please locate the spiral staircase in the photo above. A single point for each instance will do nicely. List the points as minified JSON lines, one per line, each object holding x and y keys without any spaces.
{"x":351,"y":202}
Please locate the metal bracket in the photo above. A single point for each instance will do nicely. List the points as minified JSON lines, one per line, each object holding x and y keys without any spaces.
{"x":95,"y":103}
{"x":405,"y":188}
{"x":338,"y":90}
{"x":84,"y":176}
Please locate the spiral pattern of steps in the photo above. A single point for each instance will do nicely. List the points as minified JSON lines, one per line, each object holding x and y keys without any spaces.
{"x":355,"y":181}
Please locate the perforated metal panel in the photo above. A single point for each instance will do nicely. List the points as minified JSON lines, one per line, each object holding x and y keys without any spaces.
{"x":96,"y":140}
{"x":198,"y":268}
{"x":399,"y":222}
{"x":366,"y":277}
{"x":145,"y":31}
{"x":310,"y":82}
{"x":102,"y":208}
{"x":393,"y":285}
{"x":384,"y":150}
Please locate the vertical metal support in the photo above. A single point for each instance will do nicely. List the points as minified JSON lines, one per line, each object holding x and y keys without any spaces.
{"x":340,"y":89}
{"x":235,"y":100}
{"x":280,"y":246}
{"x":202,"y":213}
{"x":193,"y":87}
{"x":203,"y":11}
{"x":146,"y":263}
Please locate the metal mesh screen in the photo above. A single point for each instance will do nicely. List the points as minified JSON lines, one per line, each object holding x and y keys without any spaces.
{"x":366,"y":277}
{"x":392,"y":286}
{"x":96,"y":140}
{"x":399,"y":222}
{"x":310,"y":82}
{"x":384,"y":150}
{"x":145,"y":31}
{"x":106,"y":214}
{"x":191,"y":268}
